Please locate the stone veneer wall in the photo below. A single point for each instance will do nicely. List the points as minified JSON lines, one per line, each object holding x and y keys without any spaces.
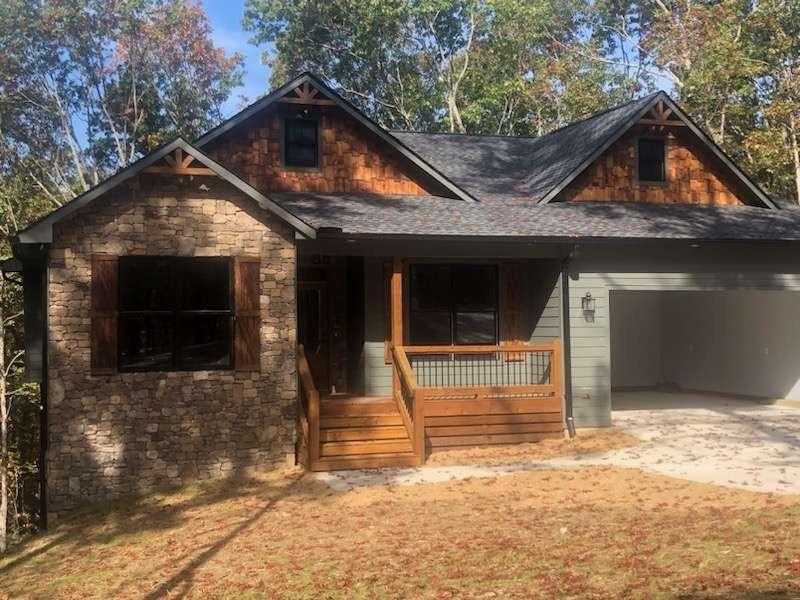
{"x":126,"y":433}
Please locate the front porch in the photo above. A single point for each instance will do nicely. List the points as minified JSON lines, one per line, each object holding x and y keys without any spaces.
{"x":452,"y":396}
{"x":435,"y":395}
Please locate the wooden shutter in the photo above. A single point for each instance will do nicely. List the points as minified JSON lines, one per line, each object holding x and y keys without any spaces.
{"x":512,"y":309}
{"x":104,"y":314}
{"x":247,"y":296}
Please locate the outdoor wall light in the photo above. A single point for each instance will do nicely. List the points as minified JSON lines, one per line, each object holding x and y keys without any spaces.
{"x":588,"y":303}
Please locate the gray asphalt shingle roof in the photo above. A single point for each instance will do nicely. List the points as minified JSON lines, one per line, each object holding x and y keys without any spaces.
{"x":503,"y":168}
{"x":380,"y":216}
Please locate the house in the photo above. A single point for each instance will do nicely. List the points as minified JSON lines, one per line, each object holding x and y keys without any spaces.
{"x":301,"y":284}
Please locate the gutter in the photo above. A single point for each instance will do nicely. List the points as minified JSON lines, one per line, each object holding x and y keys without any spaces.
{"x":566,"y":342}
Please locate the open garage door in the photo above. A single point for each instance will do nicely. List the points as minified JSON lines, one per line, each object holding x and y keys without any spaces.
{"x":738,"y":342}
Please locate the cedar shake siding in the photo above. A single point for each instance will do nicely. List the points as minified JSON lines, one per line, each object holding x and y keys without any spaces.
{"x":693,"y":176}
{"x":112,"y":434}
{"x":351,"y":159}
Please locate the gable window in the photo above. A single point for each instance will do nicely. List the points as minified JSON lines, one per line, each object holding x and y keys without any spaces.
{"x":301,"y":143}
{"x":175,"y":313}
{"x":652,"y":159}
{"x":453,"y":304}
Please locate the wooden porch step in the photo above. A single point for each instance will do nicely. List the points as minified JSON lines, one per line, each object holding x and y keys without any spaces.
{"x":353,"y":407}
{"x":342,"y":434}
{"x":356,"y":447}
{"x":361,"y":421}
{"x":371,"y":461}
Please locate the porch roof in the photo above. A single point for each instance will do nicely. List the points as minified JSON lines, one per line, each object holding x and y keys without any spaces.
{"x":433,"y":216}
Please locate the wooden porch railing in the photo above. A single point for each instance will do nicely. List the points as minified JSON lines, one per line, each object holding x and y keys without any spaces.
{"x":527,"y":368}
{"x":410,"y":401}
{"x":471,"y":395}
{"x":308,"y":409}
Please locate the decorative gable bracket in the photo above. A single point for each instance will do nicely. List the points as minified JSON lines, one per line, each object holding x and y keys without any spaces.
{"x":305,"y":93}
{"x":662,"y":116}
{"x":178,"y":163}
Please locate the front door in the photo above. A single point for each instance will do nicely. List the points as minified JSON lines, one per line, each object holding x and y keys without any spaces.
{"x":312,"y":330}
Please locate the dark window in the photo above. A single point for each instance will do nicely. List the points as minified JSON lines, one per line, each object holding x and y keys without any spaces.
{"x":652,"y":159}
{"x":175,"y":313}
{"x":300,"y":143}
{"x":453,"y":304}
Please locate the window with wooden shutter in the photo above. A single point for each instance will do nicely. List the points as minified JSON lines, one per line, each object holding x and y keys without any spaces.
{"x":512,"y":312}
{"x":103,"y":341}
{"x":175,"y":313}
{"x":247,"y":338}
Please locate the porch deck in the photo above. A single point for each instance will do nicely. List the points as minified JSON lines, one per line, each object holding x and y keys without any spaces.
{"x":451,"y":396}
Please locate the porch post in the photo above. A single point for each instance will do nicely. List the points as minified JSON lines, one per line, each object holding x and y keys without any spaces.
{"x":397,"y":301}
{"x":396,"y":306}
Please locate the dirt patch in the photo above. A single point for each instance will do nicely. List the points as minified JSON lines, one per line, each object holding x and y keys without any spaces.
{"x":587,"y":441}
{"x":596,"y":532}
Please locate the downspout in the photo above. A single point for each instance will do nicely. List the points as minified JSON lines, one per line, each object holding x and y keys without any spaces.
{"x":566,"y":342}
{"x":43,"y":390}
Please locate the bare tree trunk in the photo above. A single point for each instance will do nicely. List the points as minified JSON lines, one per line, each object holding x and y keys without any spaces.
{"x":793,"y":134}
{"x":3,"y":436}
{"x":456,"y":124}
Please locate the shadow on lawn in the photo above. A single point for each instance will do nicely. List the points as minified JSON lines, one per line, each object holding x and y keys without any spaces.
{"x":739,"y":594}
{"x":184,"y":576}
{"x":162,"y":512}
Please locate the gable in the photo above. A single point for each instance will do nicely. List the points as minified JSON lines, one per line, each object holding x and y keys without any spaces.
{"x":696,"y":170}
{"x":174,"y":159}
{"x":355,"y":154}
{"x":351,"y":159}
{"x":692,"y":177}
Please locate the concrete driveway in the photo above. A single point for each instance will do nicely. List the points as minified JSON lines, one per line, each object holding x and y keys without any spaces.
{"x":710,"y":439}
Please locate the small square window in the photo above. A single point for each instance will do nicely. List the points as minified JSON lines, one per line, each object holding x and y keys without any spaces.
{"x":652,"y":160}
{"x":300,"y":143}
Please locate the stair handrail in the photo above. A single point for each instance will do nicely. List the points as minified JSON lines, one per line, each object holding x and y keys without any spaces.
{"x":311,"y":409}
{"x":410,"y":401}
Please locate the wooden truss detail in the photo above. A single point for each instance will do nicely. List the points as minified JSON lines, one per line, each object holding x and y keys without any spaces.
{"x":178,"y":163}
{"x":662,"y":115}
{"x":305,"y":93}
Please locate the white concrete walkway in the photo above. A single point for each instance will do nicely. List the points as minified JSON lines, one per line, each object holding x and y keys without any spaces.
{"x":698,"y":437}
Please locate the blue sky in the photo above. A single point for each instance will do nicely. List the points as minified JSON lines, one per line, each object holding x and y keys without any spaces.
{"x":226,"y":19}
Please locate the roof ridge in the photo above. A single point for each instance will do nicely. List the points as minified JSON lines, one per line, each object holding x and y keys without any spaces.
{"x":459,"y":134}
{"x":606,"y":111}
{"x":533,"y":137}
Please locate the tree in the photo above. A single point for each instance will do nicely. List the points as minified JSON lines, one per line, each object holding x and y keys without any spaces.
{"x":775,"y":43}
{"x":90,"y":85}
{"x":478,"y":66}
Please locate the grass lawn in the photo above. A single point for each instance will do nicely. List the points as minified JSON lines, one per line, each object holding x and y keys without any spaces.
{"x":588,"y":533}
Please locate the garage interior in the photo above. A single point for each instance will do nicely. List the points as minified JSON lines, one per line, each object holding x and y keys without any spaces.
{"x":743,"y":343}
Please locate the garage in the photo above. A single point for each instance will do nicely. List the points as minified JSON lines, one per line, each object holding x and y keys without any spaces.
{"x":737,"y":343}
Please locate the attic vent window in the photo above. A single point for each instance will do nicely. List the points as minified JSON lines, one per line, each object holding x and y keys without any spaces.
{"x":301,"y":143}
{"x":652,"y":157}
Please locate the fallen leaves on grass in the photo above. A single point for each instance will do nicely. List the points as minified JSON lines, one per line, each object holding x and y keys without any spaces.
{"x":587,"y":441}
{"x":596,"y":532}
